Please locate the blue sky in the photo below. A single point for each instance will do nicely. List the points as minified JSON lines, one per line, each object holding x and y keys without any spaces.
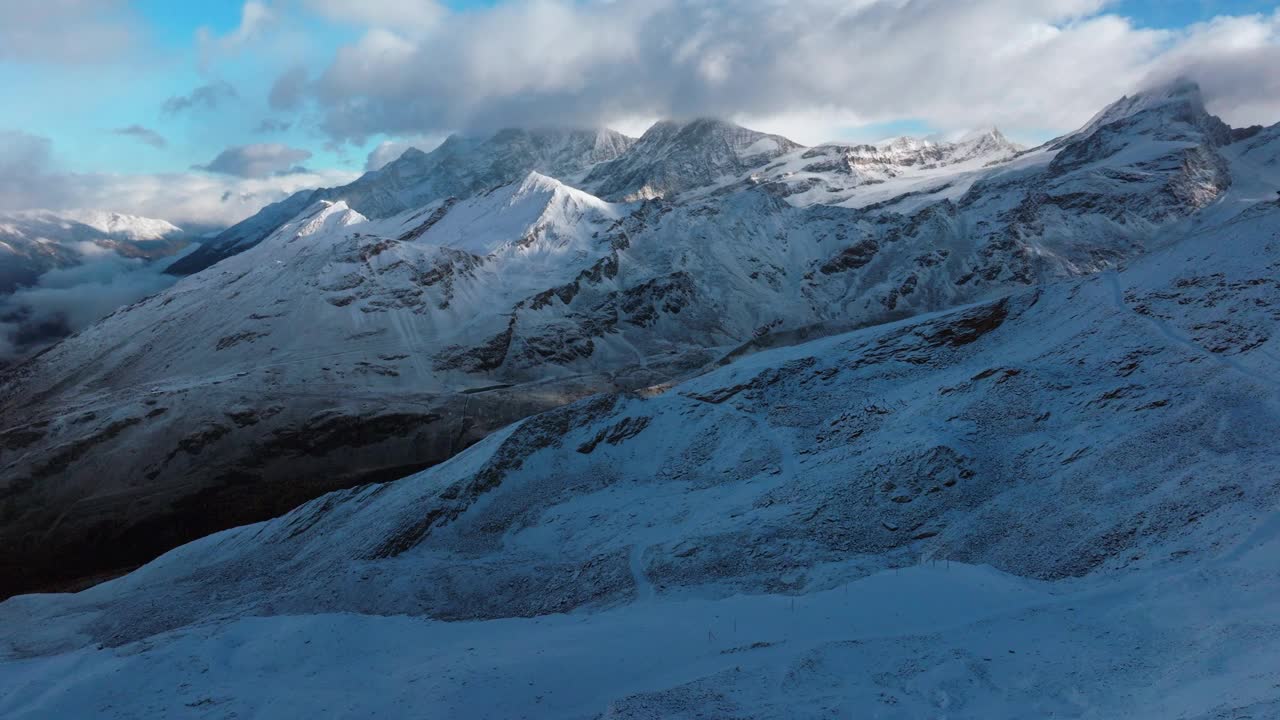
{"x":1180,"y":13}
{"x":409,"y":71}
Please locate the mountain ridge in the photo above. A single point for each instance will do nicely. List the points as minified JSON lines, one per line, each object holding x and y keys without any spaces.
{"x":357,"y":347}
{"x":979,"y":509}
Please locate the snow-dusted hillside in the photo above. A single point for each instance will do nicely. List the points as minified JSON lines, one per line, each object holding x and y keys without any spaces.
{"x":1057,"y":502}
{"x":352,"y":345}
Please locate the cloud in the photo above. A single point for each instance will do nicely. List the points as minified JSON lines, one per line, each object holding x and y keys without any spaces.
{"x":66,"y":300}
{"x":1234,"y":60}
{"x":25,"y":178}
{"x":205,"y":96}
{"x":66,"y":31}
{"x":271,"y":125}
{"x":288,"y":89}
{"x":1042,"y":65}
{"x":29,"y":179}
{"x":255,"y":18}
{"x":405,"y":15}
{"x":389,"y":150}
{"x":258,"y":160}
{"x":191,"y":199}
{"x":142,"y":134}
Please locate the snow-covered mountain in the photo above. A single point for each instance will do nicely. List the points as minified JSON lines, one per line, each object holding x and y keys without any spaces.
{"x":828,"y":173}
{"x":460,"y":167}
{"x":36,"y":241}
{"x":671,"y":158}
{"x":347,"y":347}
{"x":1056,"y":501}
{"x":60,"y":271}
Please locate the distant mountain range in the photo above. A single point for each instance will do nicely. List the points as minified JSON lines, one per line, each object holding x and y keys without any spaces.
{"x":60,"y":271}
{"x":34,"y":242}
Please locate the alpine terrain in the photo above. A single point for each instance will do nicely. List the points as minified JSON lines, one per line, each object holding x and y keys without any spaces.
{"x":907,"y":430}
{"x":34,"y":242}
{"x":45,"y":256}
{"x":384,"y":326}
{"x":565,"y":424}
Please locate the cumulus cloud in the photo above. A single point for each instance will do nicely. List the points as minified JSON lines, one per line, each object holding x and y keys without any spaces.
{"x":205,"y":96}
{"x":1046,"y":65}
{"x":143,"y":135}
{"x":258,"y":160}
{"x":65,"y":31}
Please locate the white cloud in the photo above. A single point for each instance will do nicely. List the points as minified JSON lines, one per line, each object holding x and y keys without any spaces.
{"x":190,"y":198}
{"x":65,"y":300}
{"x":30,"y":178}
{"x":1234,"y":59}
{"x":255,"y":19}
{"x":1048,"y":64}
{"x":66,"y":31}
{"x":409,"y":16}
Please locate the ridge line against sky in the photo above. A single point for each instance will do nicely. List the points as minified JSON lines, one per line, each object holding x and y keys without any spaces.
{"x":203,"y":112}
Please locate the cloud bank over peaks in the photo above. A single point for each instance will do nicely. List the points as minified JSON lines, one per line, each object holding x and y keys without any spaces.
{"x":1045,"y":65}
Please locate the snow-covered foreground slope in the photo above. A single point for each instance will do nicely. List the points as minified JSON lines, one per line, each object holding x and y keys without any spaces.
{"x":935,"y":640}
{"x":356,"y":345}
{"x":1058,"y":503}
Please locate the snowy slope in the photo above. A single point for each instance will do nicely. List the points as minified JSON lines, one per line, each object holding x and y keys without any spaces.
{"x":1058,"y":502}
{"x":848,"y":174}
{"x":350,"y":346}
{"x":132,"y":227}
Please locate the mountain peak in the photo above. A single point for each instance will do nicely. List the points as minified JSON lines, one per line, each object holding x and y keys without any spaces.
{"x":674,"y":156}
{"x":1180,"y":95}
{"x":1174,"y":108}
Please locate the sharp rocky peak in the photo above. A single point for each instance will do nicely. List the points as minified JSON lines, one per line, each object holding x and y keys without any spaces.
{"x":673,"y":157}
{"x":1160,"y":107}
